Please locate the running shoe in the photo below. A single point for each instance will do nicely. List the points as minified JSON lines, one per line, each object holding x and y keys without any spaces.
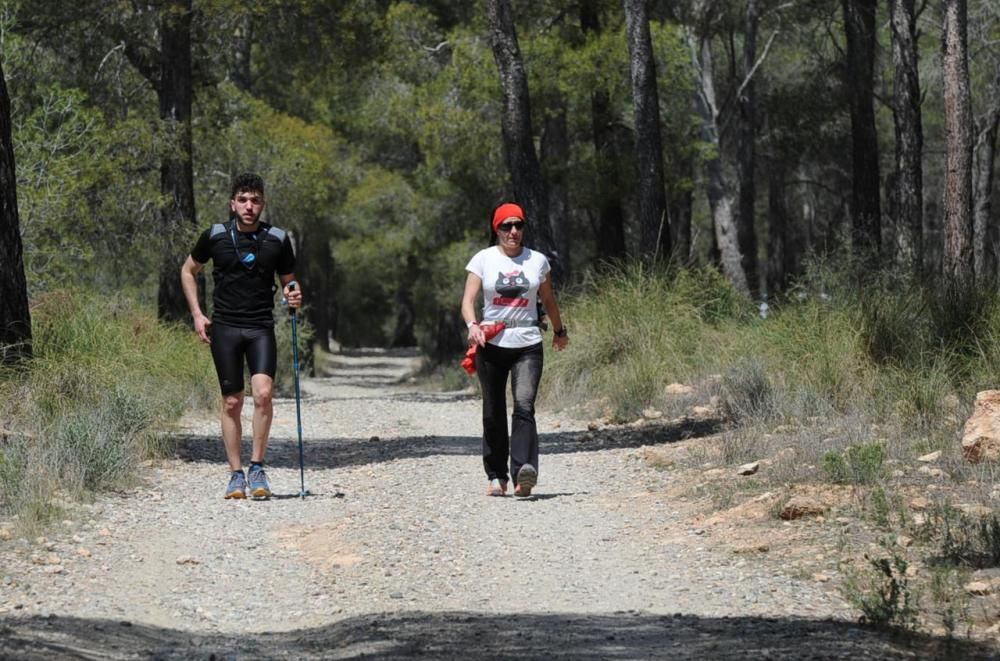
{"x":237,"y":486}
{"x":496,"y":487}
{"x":259,"y":487}
{"x":527,"y":478}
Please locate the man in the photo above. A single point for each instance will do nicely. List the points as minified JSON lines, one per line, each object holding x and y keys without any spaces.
{"x":246,"y":253}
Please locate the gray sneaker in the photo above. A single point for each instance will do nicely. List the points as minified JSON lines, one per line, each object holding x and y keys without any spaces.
{"x":527,"y":478}
{"x":259,"y":487}
{"x":237,"y":486}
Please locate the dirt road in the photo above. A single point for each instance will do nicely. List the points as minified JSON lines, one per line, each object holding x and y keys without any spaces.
{"x":397,"y":554}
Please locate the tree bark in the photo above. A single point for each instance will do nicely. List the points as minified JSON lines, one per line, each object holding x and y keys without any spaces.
{"x":515,"y":123}
{"x":315,"y":268}
{"x":908,"y":191}
{"x":556,"y":154}
{"x":986,"y":241}
{"x":15,"y":317}
{"x":680,"y":207}
{"x":746,"y":151}
{"x":611,"y":216}
{"x":959,"y":266}
{"x":242,"y":41}
{"x":719,"y":195}
{"x":859,"y":26}
{"x":780,"y":253}
{"x":176,"y":171}
{"x":652,"y":213}
{"x":403,"y":334}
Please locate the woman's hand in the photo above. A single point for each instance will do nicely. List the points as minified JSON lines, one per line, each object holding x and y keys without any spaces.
{"x":476,"y":335}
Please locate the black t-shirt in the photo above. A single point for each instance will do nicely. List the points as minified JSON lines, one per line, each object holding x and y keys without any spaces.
{"x":243,"y":268}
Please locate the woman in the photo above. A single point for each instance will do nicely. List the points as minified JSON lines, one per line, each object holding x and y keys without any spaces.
{"x":512,"y":279}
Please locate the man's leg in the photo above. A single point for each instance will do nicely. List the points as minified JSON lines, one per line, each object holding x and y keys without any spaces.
{"x":227,"y":354}
{"x":262,"y":358}
{"x":263,"y":413}
{"x":232,"y":429}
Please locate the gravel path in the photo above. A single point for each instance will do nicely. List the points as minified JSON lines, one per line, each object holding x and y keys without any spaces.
{"x":397,"y":554}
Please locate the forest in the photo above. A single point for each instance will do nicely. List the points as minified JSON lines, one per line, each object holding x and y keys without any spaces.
{"x":749,"y":136}
{"x":774,"y":221}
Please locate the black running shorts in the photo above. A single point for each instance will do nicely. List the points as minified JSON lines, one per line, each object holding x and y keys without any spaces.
{"x":231,"y":345}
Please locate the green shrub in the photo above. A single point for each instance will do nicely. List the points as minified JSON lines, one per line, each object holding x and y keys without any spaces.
{"x":963,"y":540}
{"x":893,"y":328}
{"x":961,"y":316}
{"x":835,"y":467}
{"x":883,"y":594}
{"x":98,"y":448}
{"x":950,"y":601}
{"x":857,"y":464}
{"x":747,"y":393}
{"x":105,"y":381}
{"x":635,"y":329}
{"x":284,"y":377}
{"x":879,"y":506}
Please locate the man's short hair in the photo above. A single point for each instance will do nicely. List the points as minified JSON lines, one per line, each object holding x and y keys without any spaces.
{"x":247,"y":182}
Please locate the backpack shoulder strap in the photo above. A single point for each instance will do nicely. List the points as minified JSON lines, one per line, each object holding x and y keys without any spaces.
{"x":276,"y":232}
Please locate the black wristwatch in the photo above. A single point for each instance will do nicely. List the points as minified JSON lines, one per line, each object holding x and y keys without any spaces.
{"x":561,"y":332}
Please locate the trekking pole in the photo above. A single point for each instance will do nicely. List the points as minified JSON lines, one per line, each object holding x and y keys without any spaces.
{"x":298,"y":397}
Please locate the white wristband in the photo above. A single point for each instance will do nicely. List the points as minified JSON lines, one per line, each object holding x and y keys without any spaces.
{"x":470,"y":324}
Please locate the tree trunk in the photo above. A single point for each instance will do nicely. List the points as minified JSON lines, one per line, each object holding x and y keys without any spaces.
{"x":746,"y":152}
{"x":15,"y":318}
{"x":859,"y":26}
{"x":176,"y":171}
{"x":314,"y":267}
{"x":680,"y":207}
{"x":780,"y":248}
{"x":719,"y":195}
{"x":242,"y":41}
{"x":958,"y":227}
{"x":515,"y":123}
{"x":406,"y":314}
{"x":908,"y":190}
{"x":611,"y":216}
{"x":652,"y":214}
{"x":556,"y":156}
{"x":986,"y":239}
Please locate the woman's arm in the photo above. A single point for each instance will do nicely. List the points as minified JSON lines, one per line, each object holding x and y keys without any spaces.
{"x":548,"y":296}
{"x":473,"y":285}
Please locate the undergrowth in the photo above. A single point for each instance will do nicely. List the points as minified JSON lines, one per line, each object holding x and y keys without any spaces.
{"x":105,"y":382}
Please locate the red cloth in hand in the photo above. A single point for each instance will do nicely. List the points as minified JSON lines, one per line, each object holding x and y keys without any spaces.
{"x":491,"y":331}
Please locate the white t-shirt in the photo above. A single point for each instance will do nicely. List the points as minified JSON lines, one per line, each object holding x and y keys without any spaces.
{"x":510,"y":292}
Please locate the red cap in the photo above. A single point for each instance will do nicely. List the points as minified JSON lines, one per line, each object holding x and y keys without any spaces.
{"x":505,"y":211}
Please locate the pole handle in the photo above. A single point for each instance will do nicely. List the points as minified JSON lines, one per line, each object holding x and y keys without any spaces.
{"x":291,"y":287}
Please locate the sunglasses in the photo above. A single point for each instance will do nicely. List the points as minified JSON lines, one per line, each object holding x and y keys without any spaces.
{"x":506,"y":227}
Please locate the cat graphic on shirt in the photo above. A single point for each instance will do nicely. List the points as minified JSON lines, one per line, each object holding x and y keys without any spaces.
{"x":510,"y":288}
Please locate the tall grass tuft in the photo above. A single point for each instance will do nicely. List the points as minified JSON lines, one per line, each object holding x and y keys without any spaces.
{"x":635,"y":329}
{"x":106,"y":381}
{"x":846,"y":361}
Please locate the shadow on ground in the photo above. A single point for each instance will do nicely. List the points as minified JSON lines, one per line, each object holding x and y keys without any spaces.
{"x":337,"y":452}
{"x":461,"y":635}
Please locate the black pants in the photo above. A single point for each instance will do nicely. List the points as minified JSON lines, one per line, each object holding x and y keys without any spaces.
{"x":524,"y":365}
